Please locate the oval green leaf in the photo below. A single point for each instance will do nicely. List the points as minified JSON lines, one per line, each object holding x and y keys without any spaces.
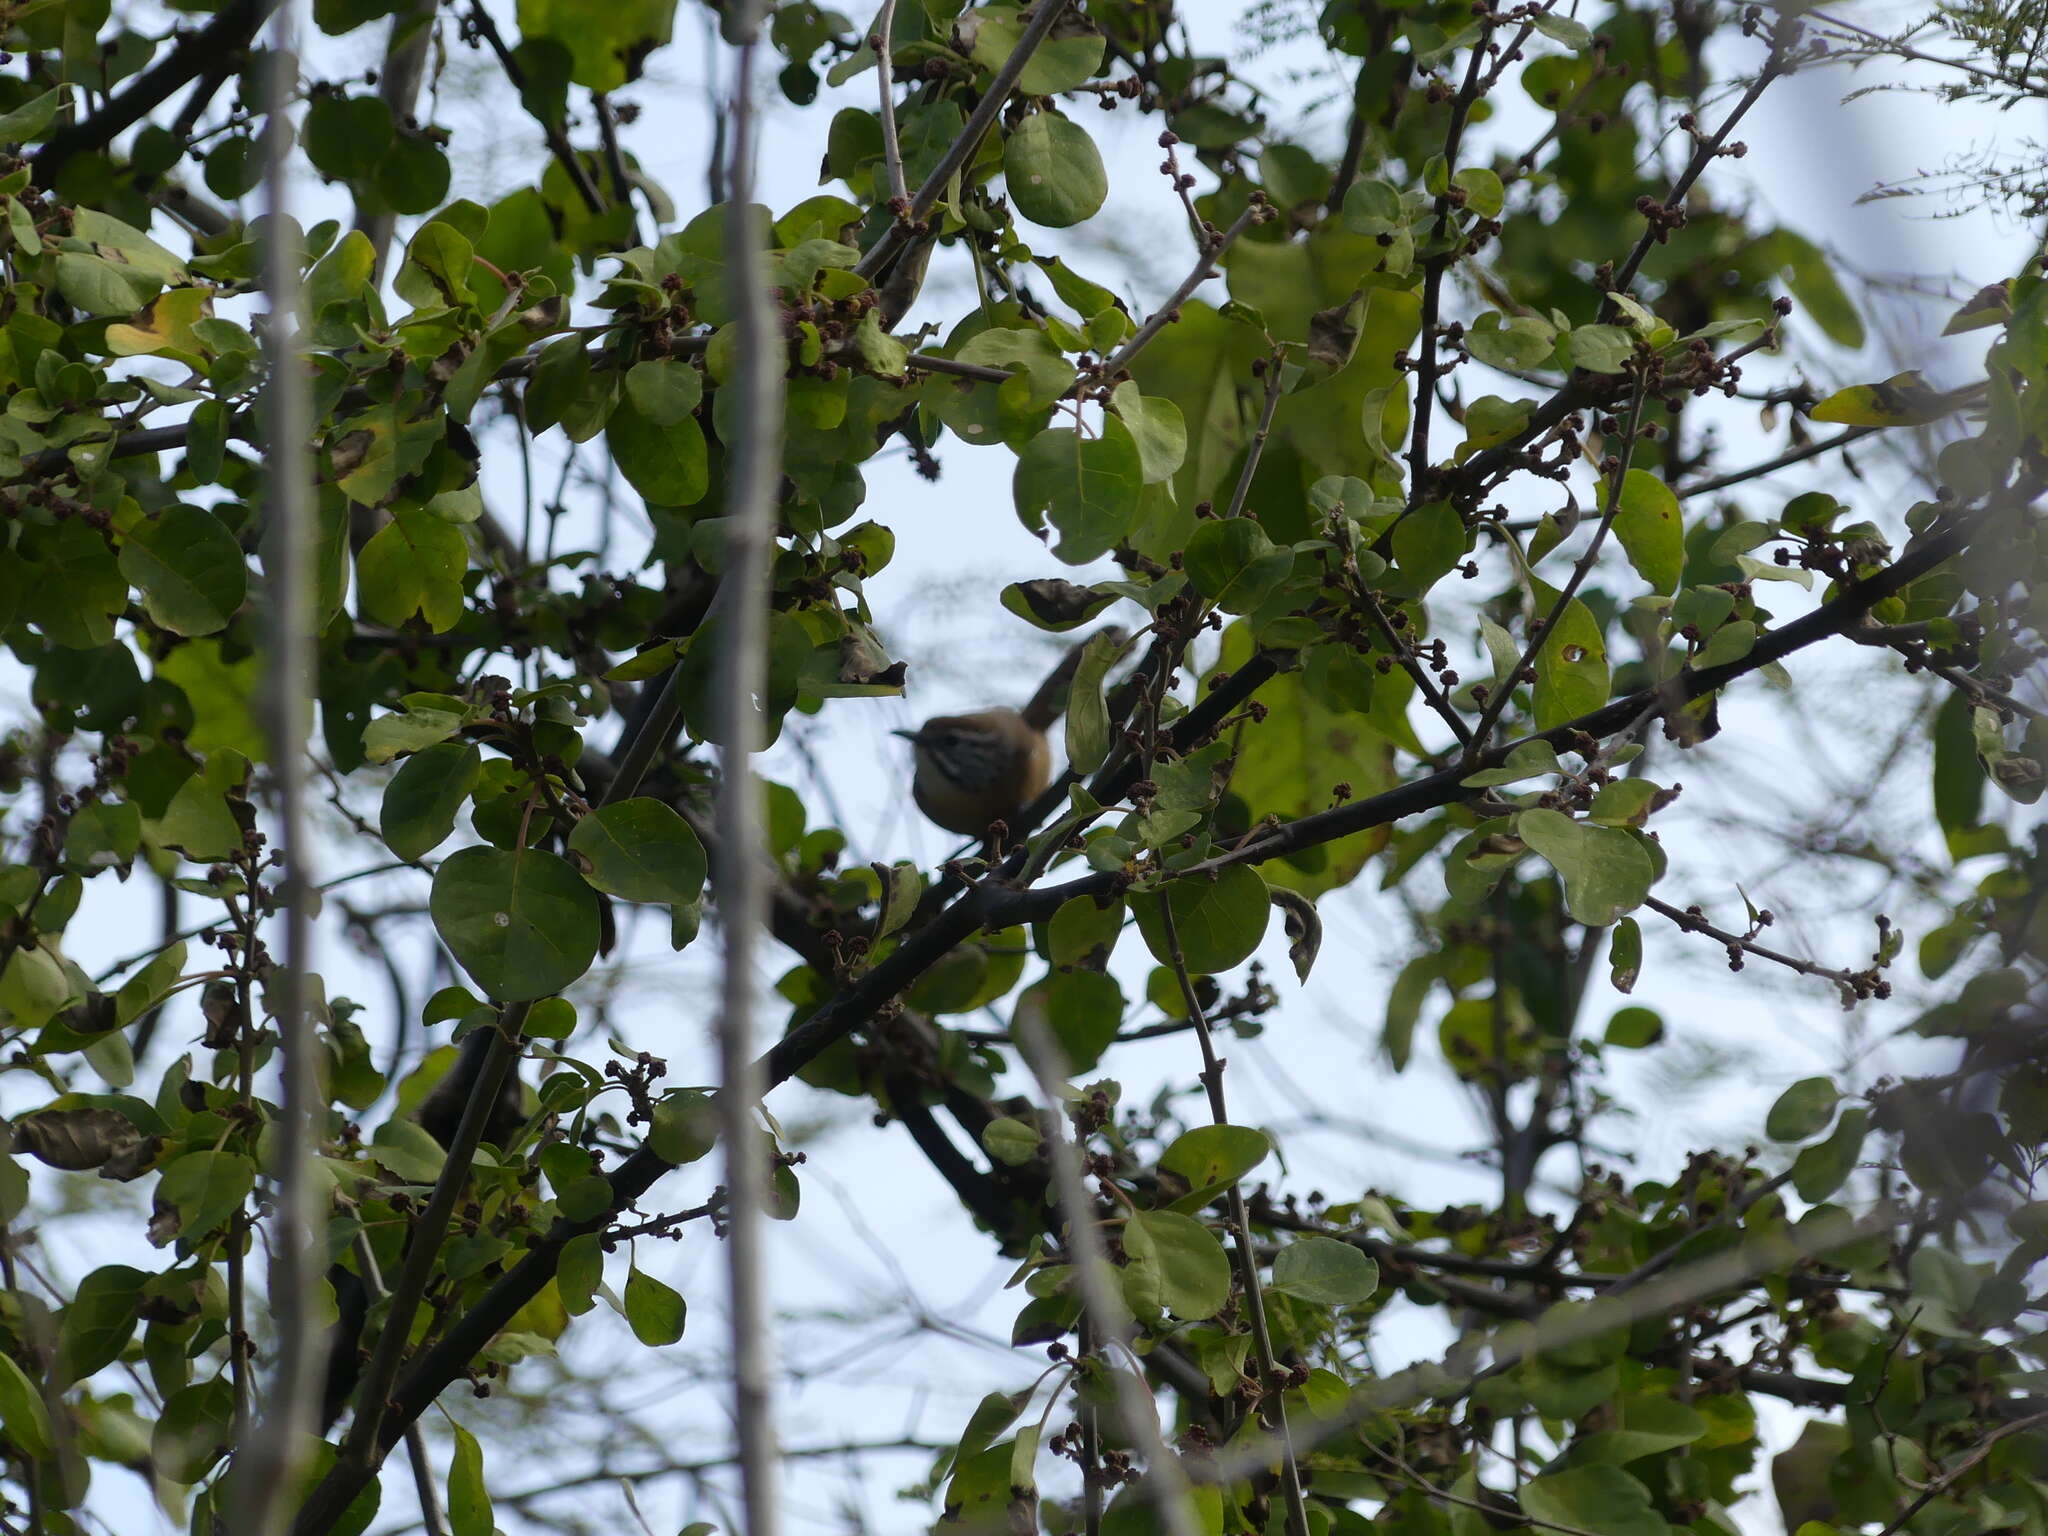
{"x":1325,"y":1272}
{"x":424,"y":796}
{"x":192,"y":572}
{"x":640,"y":850}
{"x":1219,"y":923}
{"x":1054,"y":171}
{"x":523,"y":924}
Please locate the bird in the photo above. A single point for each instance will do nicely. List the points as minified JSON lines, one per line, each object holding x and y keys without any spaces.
{"x":974,"y":770}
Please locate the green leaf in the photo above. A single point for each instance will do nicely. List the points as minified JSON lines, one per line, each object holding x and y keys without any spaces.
{"x":1802,"y":1110}
{"x":1599,"y":1498}
{"x":1821,"y":1168}
{"x":424,"y":796}
{"x":23,"y":1414}
{"x":1484,"y":194}
{"x":28,"y":120}
{"x":1525,"y":761}
{"x":1428,"y":543}
{"x":1059,"y":64}
{"x":1084,"y":932}
{"x":413,"y":564}
{"x":1575,"y":35}
{"x":197,"y":823}
{"x":523,"y":924}
{"x":1731,"y":642}
{"x":1183,"y":1259}
{"x":639,"y":850}
{"x":1646,"y":1423}
{"x":1219,"y":922}
{"x":1518,"y":342}
{"x":685,"y":1126}
{"x":1633,"y":1029}
{"x":1232,"y":562}
{"x":1011,"y":1141}
{"x":1088,"y":487}
{"x":1813,"y":283}
{"x":1571,"y":668}
{"x":206,"y":1188}
{"x":664,"y":391}
{"x":1625,"y":955}
{"x":655,"y":1311}
{"x":426,"y":719}
{"x":1215,"y":1154}
{"x":580,"y":1272}
{"x":98,"y":1323}
{"x":1325,"y":1272}
{"x":668,"y":465}
{"x":194,"y":1429}
{"x":1088,"y":732}
{"x":1054,"y":171}
{"x":1650,"y":529}
{"x":435,"y":274}
{"x":605,"y":44}
{"x":469,"y":1502}
{"x":1601,"y":348}
{"x":1156,"y":426}
{"x":1082,"y":1010}
{"x":1606,"y":872}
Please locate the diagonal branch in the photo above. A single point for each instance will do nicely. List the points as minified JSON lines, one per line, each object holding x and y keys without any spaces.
{"x":962,"y":148}
{"x":228,"y":34}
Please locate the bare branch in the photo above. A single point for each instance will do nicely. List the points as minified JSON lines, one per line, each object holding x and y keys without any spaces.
{"x":276,"y":1448}
{"x":741,"y":881}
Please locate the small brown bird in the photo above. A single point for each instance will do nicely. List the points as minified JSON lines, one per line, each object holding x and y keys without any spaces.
{"x":976,"y":769}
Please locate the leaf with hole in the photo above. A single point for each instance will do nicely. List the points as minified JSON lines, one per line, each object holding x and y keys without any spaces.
{"x":1650,"y":530}
{"x":523,"y":924}
{"x":1054,"y":171}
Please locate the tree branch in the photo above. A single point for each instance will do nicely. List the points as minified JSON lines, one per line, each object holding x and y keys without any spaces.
{"x":228,"y":34}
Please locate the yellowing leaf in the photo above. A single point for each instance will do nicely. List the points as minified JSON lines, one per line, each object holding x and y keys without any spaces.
{"x":163,"y":325}
{"x":1903,"y":400}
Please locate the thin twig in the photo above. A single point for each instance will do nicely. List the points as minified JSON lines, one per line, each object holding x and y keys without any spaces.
{"x":398,"y":87}
{"x":558,"y":141}
{"x":1272,"y":1407}
{"x":742,"y":881}
{"x":1692,"y":922}
{"x":276,"y":1448}
{"x":1167,"y":313}
{"x":1447,"y":1379}
{"x":227,"y":35}
{"x":1256,"y":449}
{"x":1433,"y":275}
{"x":958,"y":152}
{"x":892,"y":148}
{"x":1546,"y":630}
{"x":614,"y":158}
{"x":1101,"y":1299}
{"x":415,"y":1442}
{"x":1947,"y":1479}
{"x":1703,"y":156}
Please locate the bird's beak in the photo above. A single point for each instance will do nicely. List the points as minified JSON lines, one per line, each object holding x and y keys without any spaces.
{"x":908,"y":735}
